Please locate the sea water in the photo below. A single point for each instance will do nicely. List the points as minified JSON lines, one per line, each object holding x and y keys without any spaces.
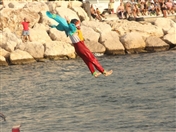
{"x":62,"y":95}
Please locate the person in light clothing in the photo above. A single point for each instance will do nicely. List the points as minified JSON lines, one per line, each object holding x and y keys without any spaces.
{"x":72,"y":30}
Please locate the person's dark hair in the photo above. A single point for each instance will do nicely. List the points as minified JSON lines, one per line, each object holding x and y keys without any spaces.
{"x":74,"y":21}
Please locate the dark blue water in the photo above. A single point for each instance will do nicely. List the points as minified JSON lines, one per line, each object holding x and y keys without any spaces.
{"x":63,"y":96}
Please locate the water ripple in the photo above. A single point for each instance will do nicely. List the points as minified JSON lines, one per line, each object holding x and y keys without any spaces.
{"x":63,"y":96}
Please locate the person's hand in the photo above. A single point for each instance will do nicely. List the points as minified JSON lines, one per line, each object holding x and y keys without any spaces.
{"x":67,"y":19}
{"x":52,"y":26}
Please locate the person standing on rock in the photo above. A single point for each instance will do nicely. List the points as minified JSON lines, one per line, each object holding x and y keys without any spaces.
{"x":72,"y":30}
{"x":120,"y":11}
{"x":94,"y":13}
{"x":25,"y":32}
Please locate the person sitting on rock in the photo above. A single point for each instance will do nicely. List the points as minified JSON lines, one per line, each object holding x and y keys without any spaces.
{"x":133,"y":8}
{"x":94,"y":14}
{"x":163,"y":8}
{"x":170,"y":5}
{"x":100,"y":14}
{"x":143,"y":7}
{"x":128,"y":11}
{"x":151,"y":9}
{"x":120,"y":11}
{"x":157,"y":7}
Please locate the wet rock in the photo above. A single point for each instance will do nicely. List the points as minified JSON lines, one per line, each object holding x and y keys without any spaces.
{"x":133,"y":42}
{"x":154,"y":44}
{"x":3,"y":61}
{"x":59,"y":50}
{"x":19,"y":57}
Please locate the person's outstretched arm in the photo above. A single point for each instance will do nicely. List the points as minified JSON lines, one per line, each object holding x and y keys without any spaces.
{"x":71,"y":26}
{"x":52,"y":26}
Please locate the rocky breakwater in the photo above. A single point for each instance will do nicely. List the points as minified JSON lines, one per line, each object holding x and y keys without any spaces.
{"x":112,"y":37}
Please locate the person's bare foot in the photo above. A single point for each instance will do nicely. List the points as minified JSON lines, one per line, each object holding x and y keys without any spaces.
{"x":107,"y":73}
{"x":97,"y":74}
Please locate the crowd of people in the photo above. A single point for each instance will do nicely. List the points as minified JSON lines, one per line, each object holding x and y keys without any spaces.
{"x":146,"y":7}
{"x":96,"y":14}
{"x":138,"y":8}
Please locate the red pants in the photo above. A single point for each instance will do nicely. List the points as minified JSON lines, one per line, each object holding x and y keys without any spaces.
{"x":88,"y":57}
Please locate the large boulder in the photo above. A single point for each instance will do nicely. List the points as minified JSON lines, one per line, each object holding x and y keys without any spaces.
{"x":19,"y":57}
{"x":56,"y":35}
{"x":15,"y":4}
{"x":147,"y":29}
{"x":45,"y":20}
{"x":1,"y":7}
{"x":90,"y":34}
{"x":51,"y":5}
{"x":9,"y":40}
{"x":39,"y":34}
{"x":62,"y":3}
{"x":100,"y":28}
{"x":154,"y":44}
{"x":95,"y":46}
{"x":113,"y":44}
{"x":4,"y":52}
{"x":64,"y":11}
{"x":35,"y":49}
{"x":9,"y":46}
{"x":170,"y":39}
{"x":3,"y":61}
{"x":36,"y":6}
{"x":133,"y":42}
{"x":171,"y":30}
{"x":12,"y":18}
{"x":165,"y":23}
{"x":81,"y":13}
{"x":59,"y":50}
{"x":74,"y":4}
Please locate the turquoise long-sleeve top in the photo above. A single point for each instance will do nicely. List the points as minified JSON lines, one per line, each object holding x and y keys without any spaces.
{"x":63,"y":25}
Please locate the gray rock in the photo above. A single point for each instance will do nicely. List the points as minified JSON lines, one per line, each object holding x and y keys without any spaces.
{"x":19,"y":57}
{"x":165,"y":23}
{"x":3,"y":61}
{"x":170,"y":38}
{"x":133,"y":42}
{"x":64,"y":11}
{"x":95,"y":47}
{"x":155,"y":44}
{"x":56,"y":35}
{"x":112,"y":43}
{"x":59,"y":50}
{"x":35,"y":49}
{"x":122,"y":27}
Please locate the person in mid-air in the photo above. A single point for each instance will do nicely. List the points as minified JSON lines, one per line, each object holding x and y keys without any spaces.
{"x":72,"y":30}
